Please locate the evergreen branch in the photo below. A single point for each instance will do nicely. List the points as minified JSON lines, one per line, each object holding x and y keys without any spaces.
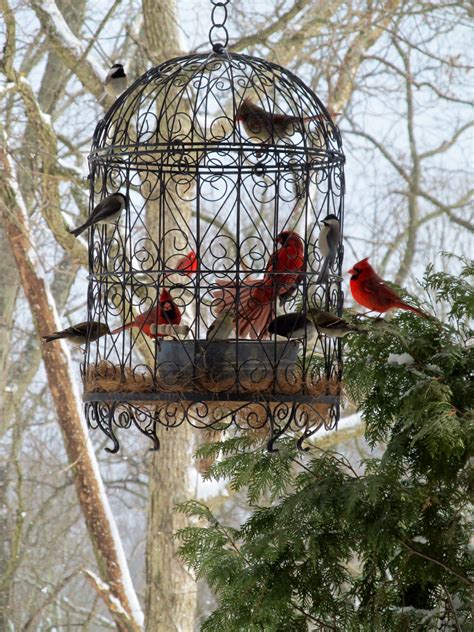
{"x":462,"y":578}
{"x":311,"y":618}
{"x":453,"y":609}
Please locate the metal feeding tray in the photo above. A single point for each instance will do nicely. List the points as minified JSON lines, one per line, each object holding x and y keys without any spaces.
{"x":237,"y":366}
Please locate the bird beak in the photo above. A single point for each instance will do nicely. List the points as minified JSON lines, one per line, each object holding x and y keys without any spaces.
{"x":351,"y":271}
{"x":334,"y":114}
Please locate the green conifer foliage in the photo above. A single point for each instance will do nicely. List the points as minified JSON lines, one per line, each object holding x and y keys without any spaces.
{"x":378,"y":545}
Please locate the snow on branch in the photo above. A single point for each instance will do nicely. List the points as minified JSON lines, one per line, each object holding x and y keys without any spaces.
{"x":86,"y":66}
{"x":104,"y":591}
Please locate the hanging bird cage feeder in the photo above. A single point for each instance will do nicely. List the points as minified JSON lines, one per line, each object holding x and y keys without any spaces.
{"x":211,"y":197}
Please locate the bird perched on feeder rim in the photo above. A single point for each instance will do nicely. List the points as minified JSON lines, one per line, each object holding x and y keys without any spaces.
{"x":108,"y":211}
{"x":173,"y":331}
{"x":370,"y":291}
{"x":331,"y":325}
{"x":292,"y":326}
{"x":328,"y":244}
{"x":221,"y":328}
{"x":165,"y":313}
{"x":81,"y":333}
{"x":255,"y":307}
{"x":297,"y":326}
{"x":116,"y":81}
{"x":261,"y":125}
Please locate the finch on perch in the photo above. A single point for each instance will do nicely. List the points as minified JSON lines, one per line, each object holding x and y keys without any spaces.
{"x":106,"y":212}
{"x":81,"y":333}
{"x":256,"y":297}
{"x":331,"y":325}
{"x":165,"y":313}
{"x":370,"y":291}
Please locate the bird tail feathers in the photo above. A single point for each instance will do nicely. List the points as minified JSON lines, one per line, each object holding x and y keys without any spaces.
{"x":324,"y":271}
{"x":77,"y":231}
{"x":123,"y":328}
{"x":415,"y":310}
{"x":51,"y":337}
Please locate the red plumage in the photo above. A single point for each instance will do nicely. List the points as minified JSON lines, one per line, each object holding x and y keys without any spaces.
{"x":370,"y":291}
{"x":257,"y":296}
{"x":165,"y":313}
{"x":188,"y":263}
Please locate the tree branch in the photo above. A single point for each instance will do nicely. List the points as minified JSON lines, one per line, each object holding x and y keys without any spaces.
{"x":462,"y":578}
{"x":87,"y":68}
{"x":262,"y":35}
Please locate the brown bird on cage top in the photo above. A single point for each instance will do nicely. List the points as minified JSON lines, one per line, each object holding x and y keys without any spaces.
{"x":262,"y":125}
{"x":81,"y":333}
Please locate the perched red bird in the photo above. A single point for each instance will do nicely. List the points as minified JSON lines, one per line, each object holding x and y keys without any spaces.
{"x":370,"y":291}
{"x":257,"y":296}
{"x":187,"y":264}
{"x":262,"y":125}
{"x":165,"y":313}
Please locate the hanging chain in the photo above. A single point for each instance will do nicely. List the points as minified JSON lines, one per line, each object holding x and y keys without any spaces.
{"x":218,"y":35}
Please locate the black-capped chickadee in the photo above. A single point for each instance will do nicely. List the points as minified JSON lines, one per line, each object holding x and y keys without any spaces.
{"x":106,"y":212}
{"x":116,"y":81}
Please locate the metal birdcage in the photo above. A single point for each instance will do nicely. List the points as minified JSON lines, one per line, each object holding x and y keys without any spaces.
{"x":198,"y":180}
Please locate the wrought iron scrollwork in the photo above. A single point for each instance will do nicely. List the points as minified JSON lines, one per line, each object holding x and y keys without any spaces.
{"x":200,"y":180}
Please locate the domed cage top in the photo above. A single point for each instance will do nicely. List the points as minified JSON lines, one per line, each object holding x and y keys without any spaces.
{"x":226,"y":161}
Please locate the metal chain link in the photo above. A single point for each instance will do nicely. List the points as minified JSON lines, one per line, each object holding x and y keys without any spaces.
{"x":218,"y":35}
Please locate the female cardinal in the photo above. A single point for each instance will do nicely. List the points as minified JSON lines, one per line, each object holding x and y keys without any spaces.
{"x":370,"y":291}
{"x":262,"y":125}
{"x":165,"y":313}
{"x":256,"y":297}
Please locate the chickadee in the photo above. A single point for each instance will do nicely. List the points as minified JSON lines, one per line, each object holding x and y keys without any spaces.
{"x":221,"y":327}
{"x":292,"y":326}
{"x":116,"y":81}
{"x":331,"y":325}
{"x":106,"y":212}
{"x":81,"y":333}
{"x":328,"y":244}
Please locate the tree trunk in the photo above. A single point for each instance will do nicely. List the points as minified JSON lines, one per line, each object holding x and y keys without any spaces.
{"x":171,"y":590}
{"x":89,"y":487}
{"x":171,"y":597}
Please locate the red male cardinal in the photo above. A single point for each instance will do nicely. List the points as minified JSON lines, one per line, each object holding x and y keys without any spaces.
{"x":262,"y":125}
{"x":165,"y":313}
{"x":186,"y":264}
{"x":256,"y":297}
{"x":370,"y":291}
